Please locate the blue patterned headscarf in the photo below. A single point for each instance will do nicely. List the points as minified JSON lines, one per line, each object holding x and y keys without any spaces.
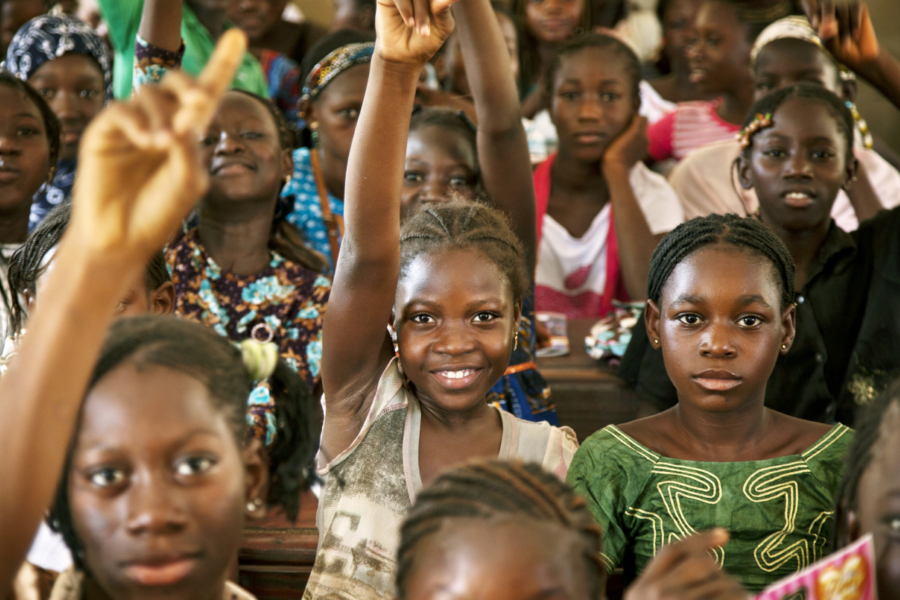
{"x":47,"y":37}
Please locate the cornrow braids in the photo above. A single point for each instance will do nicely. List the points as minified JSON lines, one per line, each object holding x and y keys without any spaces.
{"x":465,"y":225}
{"x":869,"y":431}
{"x":201,"y":353}
{"x":494,"y":489}
{"x":600,"y":41}
{"x":811,"y":93}
{"x":745,"y":233}
{"x":29,"y":262}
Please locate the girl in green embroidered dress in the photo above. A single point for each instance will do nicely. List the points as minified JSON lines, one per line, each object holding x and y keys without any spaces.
{"x":721,"y":310}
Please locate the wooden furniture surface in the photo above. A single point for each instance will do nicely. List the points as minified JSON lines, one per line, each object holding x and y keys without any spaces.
{"x":588,"y":393}
{"x":277,"y":556}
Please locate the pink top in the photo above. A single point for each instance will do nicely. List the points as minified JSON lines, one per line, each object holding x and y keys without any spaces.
{"x":692,"y":125}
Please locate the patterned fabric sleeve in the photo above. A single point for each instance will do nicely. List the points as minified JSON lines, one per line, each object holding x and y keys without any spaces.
{"x":604,"y":472}
{"x":151,"y":63}
{"x":826,"y":458}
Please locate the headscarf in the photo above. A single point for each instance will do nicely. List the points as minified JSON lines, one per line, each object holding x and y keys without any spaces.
{"x":48,"y":37}
{"x":794,"y":28}
{"x":331,"y":56}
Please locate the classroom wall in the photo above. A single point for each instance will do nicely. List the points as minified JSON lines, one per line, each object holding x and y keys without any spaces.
{"x":319,"y":11}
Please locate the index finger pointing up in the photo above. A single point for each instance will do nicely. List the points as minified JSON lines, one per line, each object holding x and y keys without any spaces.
{"x":224,"y":62}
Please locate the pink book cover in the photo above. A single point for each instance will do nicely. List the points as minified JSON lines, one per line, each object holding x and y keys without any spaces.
{"x":848,"y":574}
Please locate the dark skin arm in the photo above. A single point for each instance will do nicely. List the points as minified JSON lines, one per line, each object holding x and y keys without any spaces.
{"x":636,"y":241}
{"x":502,"y":143}
{"x":161,"y":23}
{"x":849,"y":35}
{"x":355,"y":348}
{"x":139,"y":175}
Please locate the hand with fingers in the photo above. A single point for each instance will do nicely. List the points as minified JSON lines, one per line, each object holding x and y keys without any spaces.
{"x":686,"y":570}
{"x":846,"y":30}
{"x":411,"y":31}
{"x":630,"y":147}
{"x":139,"y":169}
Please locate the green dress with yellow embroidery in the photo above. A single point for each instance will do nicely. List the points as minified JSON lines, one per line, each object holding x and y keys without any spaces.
{"x":778,"y":511}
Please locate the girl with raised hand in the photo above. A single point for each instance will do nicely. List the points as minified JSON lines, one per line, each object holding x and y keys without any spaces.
{"x":721,"y":310}
{"x":149,"y":145}
{"x":786,"y":53}
{"x":450,"y":285}
{"x":68,"y":64}
{"x":447,"y":157}
{"x":510,"y":531}
{"x":600,"y":211}
{"x":29,"y":148}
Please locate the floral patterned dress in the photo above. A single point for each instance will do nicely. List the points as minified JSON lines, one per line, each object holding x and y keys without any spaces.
{"x":284,"y":303}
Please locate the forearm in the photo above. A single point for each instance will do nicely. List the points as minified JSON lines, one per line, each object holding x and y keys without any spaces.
{"x":43,"y":390}
{"x":885,"y":76}
{"x":161,"y":23}
{"x":636,"y":242}
{"x":533,"y":103}
{"x":863,"y":196}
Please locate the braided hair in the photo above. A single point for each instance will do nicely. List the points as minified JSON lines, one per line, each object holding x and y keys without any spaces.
{"x":600,"y":41}
{"x":745,"y":233}
{"x":811,"y":93}
{"x":29,"y":262}
{"x":201,"y":353}
{"x":465,"y":225}
{"x":494,"y":489}
{"x":869,"y":431}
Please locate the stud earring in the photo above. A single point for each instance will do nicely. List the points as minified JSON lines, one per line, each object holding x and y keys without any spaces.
{"x":287,"y":180}
{"x":251,"y":506}
{"x":314,"y":133}
{"x":655,"y":341}
{"x":784,"y":346}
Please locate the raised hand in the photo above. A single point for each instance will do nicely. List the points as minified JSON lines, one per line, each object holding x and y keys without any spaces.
{"x":685,"y":570}
{"x":139,"y":169}
{"x":411,"y":31}
{"x":630,"y":147}
{"x":846,"y":31}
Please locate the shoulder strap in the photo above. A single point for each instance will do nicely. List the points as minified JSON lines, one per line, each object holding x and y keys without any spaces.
{"x":333,"y":224}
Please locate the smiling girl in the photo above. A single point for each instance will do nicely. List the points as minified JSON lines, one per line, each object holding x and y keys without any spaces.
{"x":68,"y":64}
{"x":721,"y":310}
{"x":450,"y":285}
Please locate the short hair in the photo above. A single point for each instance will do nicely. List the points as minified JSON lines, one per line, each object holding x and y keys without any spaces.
{"x":199,"y":352}
{"x":744,"y":233}
{"x":600,"y":41}
{"x":51,"y":122}
{"x":811,"y":93}
{"x":447,"y":119}
{"x":869,"y":431}
{"x":465,"y":225}
{"x":27,"y":263}
{"x":494,"y":489}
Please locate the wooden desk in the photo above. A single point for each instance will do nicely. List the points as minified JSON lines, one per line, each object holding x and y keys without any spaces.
{"x":588,"y":394}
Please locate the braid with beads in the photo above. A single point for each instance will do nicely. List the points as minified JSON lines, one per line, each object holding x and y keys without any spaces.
{"x":745,"y":233}
{"x":465,"y":225}
{"x":868,"y":433}
{"x":491,"y":489}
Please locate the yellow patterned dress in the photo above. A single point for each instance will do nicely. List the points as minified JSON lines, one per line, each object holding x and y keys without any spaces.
{"x":779,"y":511}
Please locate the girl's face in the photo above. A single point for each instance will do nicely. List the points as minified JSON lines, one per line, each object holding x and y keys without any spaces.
{"x":242,"y":151}
{"x":440,"y":164}
{"x":254,"y":17}
{"x":455,"y":319}
{"x":336,"y":110}
{"x":678,"y":29}
{"x":158,"y":486}
{"x":455,"y":79}
{"x":719,"y":56}
{"x":475,"y":559}
{"x":14,"y":14}
{"x":878,"y":510}
{"x":785,"y":63}
{"x":721,"y":327}
{"x":24,"y":151}
{"x":797,"y":166}
{"x":592,"y":102}
{"x":552,"y":21}
{"x":73,"y":86}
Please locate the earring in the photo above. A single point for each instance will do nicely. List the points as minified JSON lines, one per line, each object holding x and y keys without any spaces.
{"x":515,"y":341}
{"x":251,"y":506}
{"x":51,"y":174}
{"x":784,"y":346}
{"x":314,"y":133}
{"x":287,"y":180}
{"x":655,"y":341}
{"x":861,"y":125}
